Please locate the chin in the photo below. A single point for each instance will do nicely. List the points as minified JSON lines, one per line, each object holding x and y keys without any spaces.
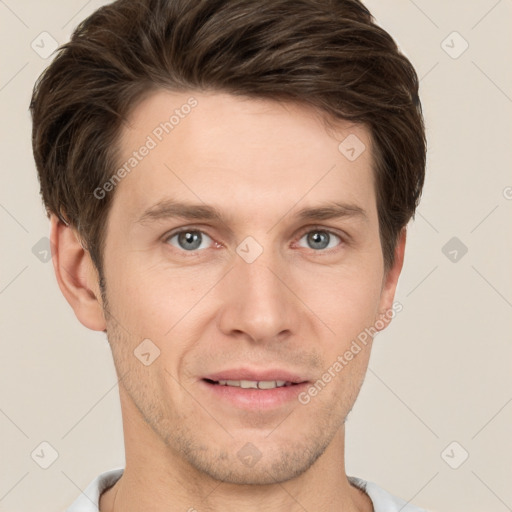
{"x":249,"y":466}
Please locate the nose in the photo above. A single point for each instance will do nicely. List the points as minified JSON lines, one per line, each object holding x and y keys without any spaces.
{"x":258,"y":302}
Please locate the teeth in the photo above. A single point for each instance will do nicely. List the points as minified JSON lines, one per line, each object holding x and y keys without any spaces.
{"x":255,"y":384}
{"x":246,"y":384}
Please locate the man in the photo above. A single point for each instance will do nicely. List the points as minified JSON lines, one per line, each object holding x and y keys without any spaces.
{"x":229,"y":184}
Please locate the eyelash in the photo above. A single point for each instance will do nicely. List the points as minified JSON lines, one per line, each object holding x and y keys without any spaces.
{"x":304,"y":231}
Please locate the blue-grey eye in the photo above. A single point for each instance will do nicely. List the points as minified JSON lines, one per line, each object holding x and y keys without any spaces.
{"x":189,"y":240}
{"x":320,"y":240}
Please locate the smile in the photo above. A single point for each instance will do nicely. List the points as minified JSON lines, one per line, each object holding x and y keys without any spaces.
{"x":251,"y":394}
{"x":253,"y":384}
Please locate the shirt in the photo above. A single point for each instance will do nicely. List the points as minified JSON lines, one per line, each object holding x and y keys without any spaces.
{"x":382,"y":501}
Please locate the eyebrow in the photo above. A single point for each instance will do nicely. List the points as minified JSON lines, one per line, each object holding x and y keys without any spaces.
{"x":169,"y":209}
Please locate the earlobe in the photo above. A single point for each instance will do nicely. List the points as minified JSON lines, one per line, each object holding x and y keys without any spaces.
{"x":76,"y":275}
{"x":386,"y":310}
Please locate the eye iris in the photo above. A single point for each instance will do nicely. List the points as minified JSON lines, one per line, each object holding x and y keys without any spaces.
{"x":189,"y":240}
{"x":318,"y":239}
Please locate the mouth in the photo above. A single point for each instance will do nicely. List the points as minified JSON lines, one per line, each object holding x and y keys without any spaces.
{"x":253,"y":384}
{"x":252,"y":390}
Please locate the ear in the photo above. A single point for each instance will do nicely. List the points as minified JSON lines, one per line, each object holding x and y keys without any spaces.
{"x":76,"y":274}
{"x":389,"y":283}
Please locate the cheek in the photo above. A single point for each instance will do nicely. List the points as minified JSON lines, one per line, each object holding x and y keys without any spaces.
{"x":346,"y":300}
{"x":155,"y":302}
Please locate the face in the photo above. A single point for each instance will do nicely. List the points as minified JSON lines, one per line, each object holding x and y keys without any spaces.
{"x":243,"y":247}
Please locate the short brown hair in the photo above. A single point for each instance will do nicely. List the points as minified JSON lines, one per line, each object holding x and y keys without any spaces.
{"x":328,"y":54}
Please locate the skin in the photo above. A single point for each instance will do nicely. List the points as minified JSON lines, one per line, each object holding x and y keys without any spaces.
{"x":296,"y":307}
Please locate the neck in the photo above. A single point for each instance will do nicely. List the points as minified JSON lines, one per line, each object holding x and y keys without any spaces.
{"x":159,"y":479}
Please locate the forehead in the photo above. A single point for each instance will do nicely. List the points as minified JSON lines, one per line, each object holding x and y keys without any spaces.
{"x":240,"y":153}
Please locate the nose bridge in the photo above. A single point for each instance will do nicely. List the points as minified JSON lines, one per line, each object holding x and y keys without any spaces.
{"x":259,"y":284}
{"x":258,"y":303}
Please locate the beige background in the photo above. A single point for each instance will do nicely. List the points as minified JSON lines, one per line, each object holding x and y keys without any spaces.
{"x":442,"y":371}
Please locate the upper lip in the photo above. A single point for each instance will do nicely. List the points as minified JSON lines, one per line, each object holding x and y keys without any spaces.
{"x":256,"y":375}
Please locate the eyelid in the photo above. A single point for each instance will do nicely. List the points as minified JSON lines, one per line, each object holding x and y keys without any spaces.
{"x":344,"y":237}
{"x":180,"y":229}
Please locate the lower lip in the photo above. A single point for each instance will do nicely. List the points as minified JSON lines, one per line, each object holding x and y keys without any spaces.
{"x":255,"y":398}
